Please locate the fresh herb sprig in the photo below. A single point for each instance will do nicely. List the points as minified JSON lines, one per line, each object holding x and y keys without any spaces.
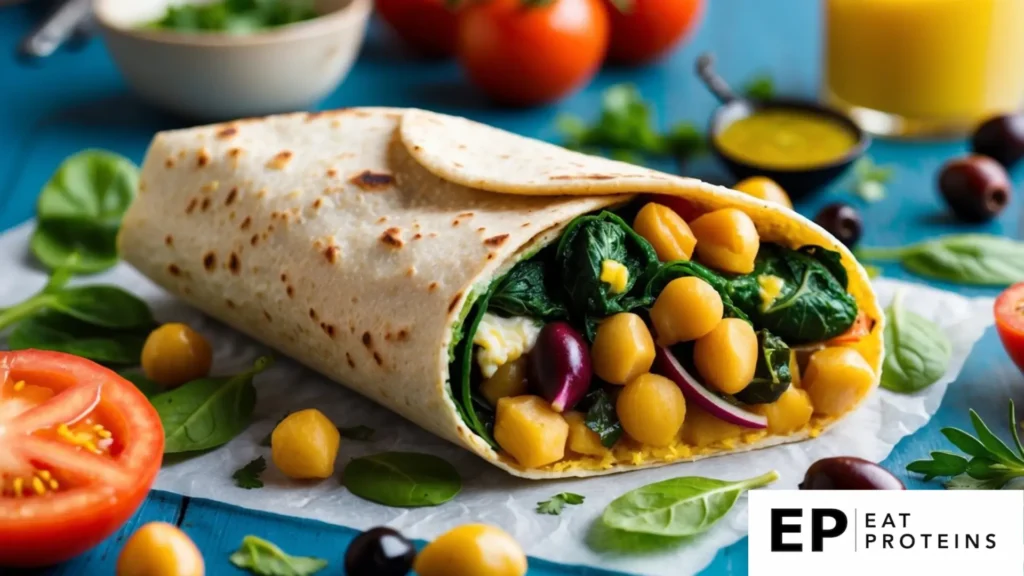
{"x":558,"y":502}
{"x":263,"y":558}
{"x":235,"y":16}
{"x":992,"y":463}
{"x":248,"y":476}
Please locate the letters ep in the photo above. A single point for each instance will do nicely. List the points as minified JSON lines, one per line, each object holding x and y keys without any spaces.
{"x":782,"y":525}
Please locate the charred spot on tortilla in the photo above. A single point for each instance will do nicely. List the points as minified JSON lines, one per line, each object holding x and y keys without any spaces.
{"x":231,"y":215}
{"x":174,"y":270}
{"x":284,"y":277}
{"x":403,"y":334}
{"x":312,"y":315}
{"x":367,"y":340}
{"x":328,"y":329}
{"x":246,"y":223}
{"x":254,"y":240}
{"x":234,"y":263}
{"x":169,"y":163}
{"x":481,"y":229}
{"x":230,"y":303}
{"x":525,"y":225}
{"x":490,"y":255}
{"x":382,"y":219}
{"x":417,"y":236}
{"x":411,"y":271}
{"x":392,"y":237}
{"x":290,"y":290}
{"x":317,"y":203}
{"x":354,"y":300}
{"x":378,"y":359}
{"x":205,"y":205}
{"x":228,"y":132}
{"x":455,"y":223}
{"x":332,"y":173}
{"x":454,"y":302}
{"x":280,"y":160}
{"x":496,"y":241}
{"x":267,"y":316}
{"x":192,"y":203}
{"x":232,"y":196}
{"x":202,"y":157}
{"x":432,"y":287}
{"x":310,"y":116}
{"x":372,"y":181}
{"x":210,"y":261}
{"x":351,"y":362}
{"x":432,"y":235}
{"x":169,"y":240}
{"x":331,"y":253}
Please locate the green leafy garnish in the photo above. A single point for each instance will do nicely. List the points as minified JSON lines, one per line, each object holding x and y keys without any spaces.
{"x":64,"y":333}
{"x":917,"y":352}
{"x":265,"y":559}
{"x":772,"y":376}
{"x":760,"y":87}
{"x":145,"y":385}
{"x":80,"y":209}
{"x":403,"y":479}
{"x":208,"y":412}
{"x":977,"y":259}
{"x":529,"y":290}
{"x":813,"y":304}
{"x":992,"y":465}
{"x":557,"y":503}
{"x":670,"y":271}
{"x":869,"y":179}
{"x":248,"y":476}
{"x":625,"y":129}
{"x":461,"y":371}
{"x":677,"y":507}
{"x":360,"y":433}
{"x":601,"y":416}
{"x":235,"y":16}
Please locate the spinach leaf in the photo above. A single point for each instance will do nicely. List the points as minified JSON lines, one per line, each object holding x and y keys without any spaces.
{"x":403,"y":479}
{"x":265,"y":559}
{"x":586,"y":243}
{"x":148,"y":387}
{"x":248,"y":476}
{"x":557,"y":503}
{"x":234,"y":16}
{"x":679,"y":506}
{"x":103,"y":306}
{"x":813,"y":304}
{"x":460,"y":372}
{"x":80,"y":210}
{"x":977,"y":259}
{"x":917,"y":351}
{"x":601,"y":416}
{"x":670,"y":271}
{"x":772,"y":376}
{"x":359,"y":433}
{"x":62,"y":333}
{"x":208,"y":412}
{"x":526,"y":291}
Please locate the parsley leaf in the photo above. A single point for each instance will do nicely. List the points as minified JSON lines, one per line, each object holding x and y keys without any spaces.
{"x":248,"y":476}
{"x":760,"y":87}
{"x":557,"y":503}
{"x":870,"y":179}
{"x":265,"y":559}
{"x":360,"y":433}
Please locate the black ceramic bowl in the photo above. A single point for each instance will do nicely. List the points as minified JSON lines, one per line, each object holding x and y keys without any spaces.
{"x":797,"y":182}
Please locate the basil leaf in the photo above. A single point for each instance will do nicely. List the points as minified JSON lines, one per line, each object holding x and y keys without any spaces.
{"x":248,"y":476}
{"x":80,"y":210}
{"x":978,"y":259}
{"x":265,"y":559}
{"x":772,"y":376}
{"x":917,"y":351}
{"x":601,"y":416}
{"x":107,"y":306}
{"x":62,"y":333}
{"x":679,"y":506}
{"x":526,"y":291}
{"x":813,"y":304}
{"x":403,"y":479}
{"x":208,"y":412}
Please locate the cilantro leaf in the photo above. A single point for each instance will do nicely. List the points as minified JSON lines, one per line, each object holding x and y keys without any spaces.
{"x":760,"y":87}
{"x":361,"y":433}
{"x":557,"y":503}
{"x":265,"y":559}
{"x":248,"y":476}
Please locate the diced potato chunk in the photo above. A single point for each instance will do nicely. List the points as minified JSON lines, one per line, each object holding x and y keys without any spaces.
{"x":727,"y":356}
{"x":508,"y":380}
{"x":615,"y":275}
{"x":791,"y":412}
{"x":305,"y":444}
{"x":530,"y":431}
{"x":623,"y":348}
{"x":837,"y":379}
{"x":583,"y":440}
{"x":651,"y":409}
{"x":686,"y":309}
{"x":666,"y":231}
{"x":702,"y":429}
{"x":727,"y":240}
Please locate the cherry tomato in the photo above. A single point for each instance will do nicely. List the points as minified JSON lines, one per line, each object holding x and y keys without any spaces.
{"x":861,"y":327}
{"x":528,"y":55}
{"x":79,"y":449}
{"x":426,"y":25}
{"x":645,"y":30}
{"x":1010,"y":322}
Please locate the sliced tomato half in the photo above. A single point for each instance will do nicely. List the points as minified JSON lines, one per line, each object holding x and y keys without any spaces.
{"x":861,"y":327}
{"x":1010,"y":322}
{"x":80,"y":447}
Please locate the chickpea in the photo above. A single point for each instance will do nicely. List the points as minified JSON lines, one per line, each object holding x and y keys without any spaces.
{"x":472,"y":550}
{"x":160,"y":549}
{"x":791,"y":412}
{"x":765,"y":189}
{"x":623,"y":348}
{"x":836,"y":379}
{"x":727,"y":356}
{"x":651,"y":409}
{"x":305,"y":444}
{"x":686,"y":309}
{"x":666,"y":231}
{"x":583,"y":440}
{"x":508,"y":380}
{"x":175,"y":354}
{"x":727,"y":240}
{"x":530,"y":431}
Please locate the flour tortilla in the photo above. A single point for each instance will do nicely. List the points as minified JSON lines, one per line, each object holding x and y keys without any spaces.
{"x":355,"y":241}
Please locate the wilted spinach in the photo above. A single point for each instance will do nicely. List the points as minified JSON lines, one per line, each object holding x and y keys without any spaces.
{"x":528,"y":290}
{"x":813,"y":304}
{"x":64,"y":333}
{"x":403,"y":479}
{"x":460,"y":372}
{"x":586,"y":243}
{"x":772,"y":376}
{"x":601,"y":416}
{"x":670,"y":271}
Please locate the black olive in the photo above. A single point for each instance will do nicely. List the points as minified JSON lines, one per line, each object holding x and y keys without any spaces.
{"x":842,"y":221}
{"x":379,"y":552}
{"x":849,"y":473}
{"x":1000,"y":138}
{"x":976,"y":188}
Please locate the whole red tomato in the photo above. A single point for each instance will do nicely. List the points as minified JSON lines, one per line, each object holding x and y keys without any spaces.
{"x":644,"y":30}
{"x":1010,"y":322}
{"x":426,"y":25}
{"x":522,"y":52}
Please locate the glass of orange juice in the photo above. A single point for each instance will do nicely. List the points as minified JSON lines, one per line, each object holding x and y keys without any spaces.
{"x":923,"y":68}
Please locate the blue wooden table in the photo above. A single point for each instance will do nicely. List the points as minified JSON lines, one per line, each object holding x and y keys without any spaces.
{"x":77,"y":99}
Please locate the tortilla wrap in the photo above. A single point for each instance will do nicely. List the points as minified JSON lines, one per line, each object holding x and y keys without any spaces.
{"x":355,"y":241}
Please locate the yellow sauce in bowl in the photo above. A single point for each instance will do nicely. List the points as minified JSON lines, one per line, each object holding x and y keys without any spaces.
{"x":786,"y":139}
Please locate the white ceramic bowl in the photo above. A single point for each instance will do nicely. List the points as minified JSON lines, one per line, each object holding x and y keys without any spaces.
{"x":219,"y":76}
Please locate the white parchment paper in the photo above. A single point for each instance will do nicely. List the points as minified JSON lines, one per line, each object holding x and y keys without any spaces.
{"x":488,"y":494}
